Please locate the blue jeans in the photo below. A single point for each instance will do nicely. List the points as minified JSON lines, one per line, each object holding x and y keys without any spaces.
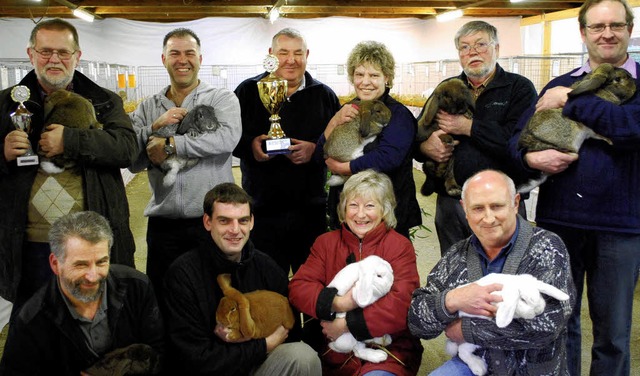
{"x":610,"y":262}
{"x":453,"y":367}
{"x":379,"y":373}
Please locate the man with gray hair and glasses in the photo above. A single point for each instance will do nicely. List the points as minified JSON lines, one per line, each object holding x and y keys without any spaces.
{"x":31,"y":199}
{"x":480,"y":142}
{"x":591,"y":200}
{"x":90,"y":311}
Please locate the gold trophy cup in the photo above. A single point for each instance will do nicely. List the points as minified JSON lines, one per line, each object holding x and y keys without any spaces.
{"x":273,"y":94}
{"x":21,"y":119}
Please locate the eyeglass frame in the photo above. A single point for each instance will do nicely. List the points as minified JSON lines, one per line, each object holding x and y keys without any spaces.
{"x":475,"y":48}
{"x":42,"y":53}
{"x":612,"y":26}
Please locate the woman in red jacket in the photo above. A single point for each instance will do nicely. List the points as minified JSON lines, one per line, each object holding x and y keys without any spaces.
{"x":366,"y":210}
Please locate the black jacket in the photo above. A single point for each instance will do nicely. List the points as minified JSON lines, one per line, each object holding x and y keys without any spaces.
{"x":498,"y":109}
{"x":192,"y":296}
{"x":45,"y":340}
{"x":100,"y":153}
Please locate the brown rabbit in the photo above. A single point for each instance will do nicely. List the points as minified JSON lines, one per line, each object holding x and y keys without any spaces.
{"x":549,"y":129}
{"x":454,"y":97}
{"x":71,"y":110}
{"x":348,"y":140}
{"x":256,"y":314}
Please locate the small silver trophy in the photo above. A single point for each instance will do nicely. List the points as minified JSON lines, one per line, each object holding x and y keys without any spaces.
{"x":273,"y":94}
{"x":21,"y":118}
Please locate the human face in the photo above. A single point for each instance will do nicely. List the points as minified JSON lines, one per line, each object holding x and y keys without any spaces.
{"x":181,"y":57}
{"x":83,"y":272}
{"x":369,"y":81}
{"x":230,"y":225}
{"x":363,"y":214}
{"x":478,"y":66}
{"x":490,"y":211}
{"x":608,"y":46}
{"x":292,"y":59}
{"x":54,"y":73}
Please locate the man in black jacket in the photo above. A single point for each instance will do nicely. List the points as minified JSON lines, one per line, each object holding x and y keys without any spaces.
{"x":481,"y":143}
{"x":31,"y":199}
{"x":197,"y":344}
{"x":89,"y":309}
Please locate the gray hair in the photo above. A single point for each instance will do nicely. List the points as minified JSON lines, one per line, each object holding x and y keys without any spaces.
{"x":288,"y":32}
{"x":473,"y":27}
{"x":374,"y":185}
{"x":56,"y":24}
{"x":507,"y":180}
{"x":374,"y":53}
{"x":86,"y":225}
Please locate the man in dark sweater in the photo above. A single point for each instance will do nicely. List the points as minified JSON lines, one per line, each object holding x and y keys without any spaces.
{"x":592,"y":200}
{"x":481,"y":143}
{"x":198,"y":345}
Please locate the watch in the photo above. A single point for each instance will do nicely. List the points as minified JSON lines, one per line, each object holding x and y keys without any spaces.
{"x":169,"y":149}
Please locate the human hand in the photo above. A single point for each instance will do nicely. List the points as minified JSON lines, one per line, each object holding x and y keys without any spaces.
{"x":556,"y":97}
{"x":334,"y":329}
{"x":344,"y":303}
{"x":276,"y":338}
{"x":155,"y":150}
{"x":256,"y":148}
{"x":347,"y":113}
{"x":454,"y":124}
{"x":434,"y":148}
{"x":474,"y":299}
{"x":336,"y":167}
{"x":453,"y":331}
{"x":16,"y":144}
{"x":172,"y":116}
{"x":301,"y":151}
{"x":550,"y":161}
{"x":51,"y":141}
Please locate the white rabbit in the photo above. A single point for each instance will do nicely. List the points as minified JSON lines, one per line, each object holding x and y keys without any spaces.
{"x":371,"y":279}
{"x":521,"y":299}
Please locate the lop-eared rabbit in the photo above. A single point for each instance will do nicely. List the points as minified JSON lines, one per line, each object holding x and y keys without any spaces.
{"x":453,"y":97}
{"x":549,"y":129}
{"x":347,"y":141}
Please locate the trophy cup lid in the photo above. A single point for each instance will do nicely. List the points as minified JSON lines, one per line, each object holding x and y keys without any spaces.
{"x":20,"y":94}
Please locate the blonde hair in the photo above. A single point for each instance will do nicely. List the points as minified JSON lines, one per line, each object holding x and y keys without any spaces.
{"x":374,"y":185}
{"x":374,"y":53}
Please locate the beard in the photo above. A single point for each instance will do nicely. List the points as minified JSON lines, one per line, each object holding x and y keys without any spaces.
{"x":55,"y":83}
{"x":74,"y":288}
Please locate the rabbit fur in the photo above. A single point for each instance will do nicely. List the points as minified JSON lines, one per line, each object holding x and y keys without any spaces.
{"x":348,"y":140}
{"x":135,"y":359}
{"x":199,"y":120}
{"x":371,"y":279}
{"x":549,"y":129}
{"x":71,"y":110}
{"x":453,"y":97}
{"x":255,"y":314}
{"x":522,"y":299}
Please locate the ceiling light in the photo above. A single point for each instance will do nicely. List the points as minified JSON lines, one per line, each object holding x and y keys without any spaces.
{"x":83,"y":14}
{"x":448,"y":16}
{"x":517,"y":1}
{"x":274,"y":14}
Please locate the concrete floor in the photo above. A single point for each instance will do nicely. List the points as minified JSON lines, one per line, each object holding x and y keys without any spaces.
{"x":427,"y":251}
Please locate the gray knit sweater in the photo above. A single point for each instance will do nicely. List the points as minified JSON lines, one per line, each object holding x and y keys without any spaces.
{"x":525,"y":347}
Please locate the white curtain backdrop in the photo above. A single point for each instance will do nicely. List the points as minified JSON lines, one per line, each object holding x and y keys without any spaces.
{"x":245,"y":41}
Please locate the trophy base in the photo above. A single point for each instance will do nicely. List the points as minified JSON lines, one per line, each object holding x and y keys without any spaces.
{"x":27,"y":160}
{"x":277,"y":146}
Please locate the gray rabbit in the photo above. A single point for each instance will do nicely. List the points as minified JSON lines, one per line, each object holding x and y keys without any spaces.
{"x":549,"y":129}
{"x":199,"y":120}
{"x":454,"y":97}
{"x":348,"y":140}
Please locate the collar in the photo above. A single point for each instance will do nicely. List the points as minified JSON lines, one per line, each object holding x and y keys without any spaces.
{"x":101,"y":309}
{"x":629,"y":65}
{"x":496,"y":265}
{"x":478,"y":89}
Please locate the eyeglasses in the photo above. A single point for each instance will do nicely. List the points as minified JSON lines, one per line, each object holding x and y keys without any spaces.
{"x":47,"y":53}
{"x":599,"y":28}
{"x":480,"y":47}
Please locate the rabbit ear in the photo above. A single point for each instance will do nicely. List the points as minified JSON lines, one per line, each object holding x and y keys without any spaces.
{"x":507,"y":308}
{"x":590,"y":83}
{"x":365,"y":118}
{"x":552,"y":291}
{"x":363,"y":290}
{"x":430,"y":110}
